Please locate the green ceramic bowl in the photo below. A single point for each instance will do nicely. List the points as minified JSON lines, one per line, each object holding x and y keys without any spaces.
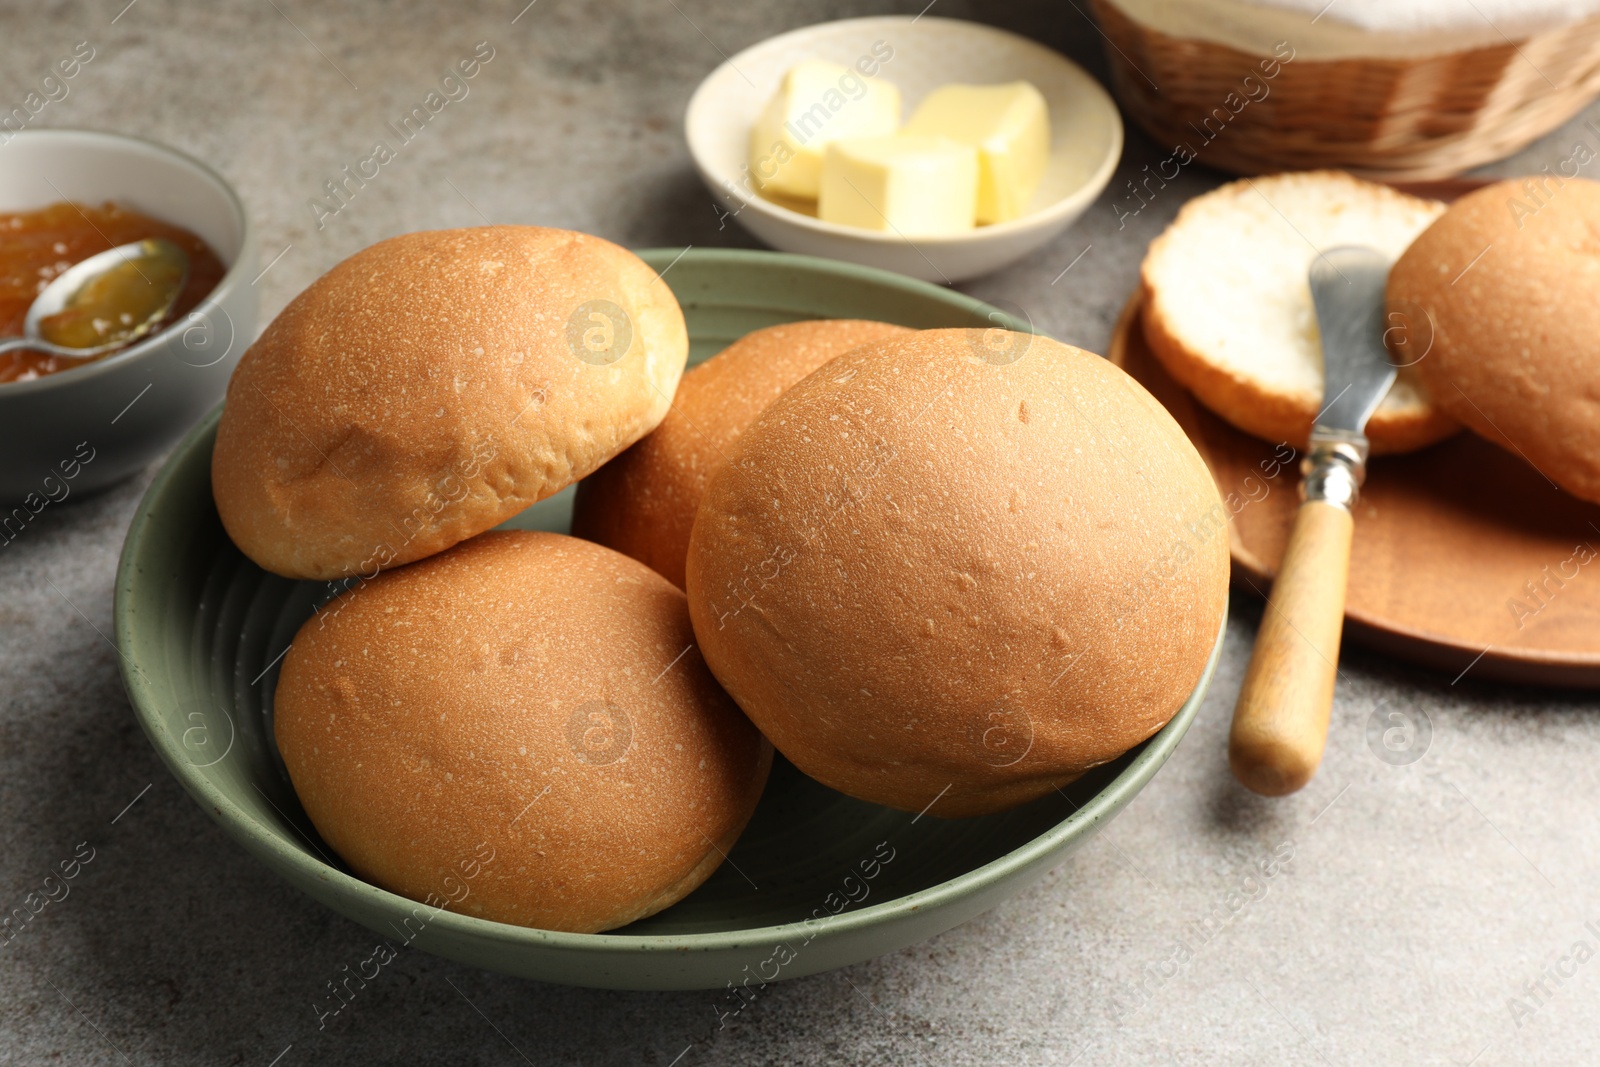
{"x":817,"y":881}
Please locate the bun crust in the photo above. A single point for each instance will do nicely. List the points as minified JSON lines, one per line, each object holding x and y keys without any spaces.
{"x":1227,"y":305}
{"x":526,"y":697}
{"x":1506,"y":280}
{"x":931,"y":578}
{"x":643,"y":502}
{"x":432,"y":386}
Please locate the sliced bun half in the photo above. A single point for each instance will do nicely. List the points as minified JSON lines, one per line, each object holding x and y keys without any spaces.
{"x":1504,"y":285}
{"x":1227,"y":304}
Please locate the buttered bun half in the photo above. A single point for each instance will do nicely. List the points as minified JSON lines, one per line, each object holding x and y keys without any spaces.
{"x":1500,"y":294}
{"x":529,"y":704}
{"x":643,"y":502}
{"x":432,"y":386}
{"x":953,"y":572}
{"x":1228,"y":311}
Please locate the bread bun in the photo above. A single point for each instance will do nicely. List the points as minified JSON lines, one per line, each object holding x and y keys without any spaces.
{"x":1504,"y":286}
{"x":1227,"y":304}
{"x":643,"y":502}
{"x":932,"y":576}
{"x":434,"y":385}
{"x":528,"y":697}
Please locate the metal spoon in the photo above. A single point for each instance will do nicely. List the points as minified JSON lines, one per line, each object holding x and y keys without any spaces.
{"x":97,"y":294}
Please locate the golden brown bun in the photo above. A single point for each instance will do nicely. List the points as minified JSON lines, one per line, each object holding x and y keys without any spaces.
{"x":1227,"y":305}
{"x":434,"y":385}
{"x":1506,"y":281}
{"x":643,"y":502}
{"x":524,"y":696}
{"x":924,"y":575}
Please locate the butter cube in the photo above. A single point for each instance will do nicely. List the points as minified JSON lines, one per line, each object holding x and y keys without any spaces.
{"x":902,"y":184}
{"x":1008,"y":124}
{"x":817,"y":102}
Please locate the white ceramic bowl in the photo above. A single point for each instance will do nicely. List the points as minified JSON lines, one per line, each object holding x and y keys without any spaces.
{"x":82,"y":429}
{"x":1085,"y":136}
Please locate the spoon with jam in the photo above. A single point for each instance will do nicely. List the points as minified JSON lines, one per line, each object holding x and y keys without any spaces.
{"x":108,"y":300}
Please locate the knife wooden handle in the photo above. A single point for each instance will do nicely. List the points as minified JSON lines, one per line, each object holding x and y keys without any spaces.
{"x":1280,"y":724}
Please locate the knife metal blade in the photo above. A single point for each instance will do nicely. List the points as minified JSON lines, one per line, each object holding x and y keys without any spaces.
{"x":1347,"y":285}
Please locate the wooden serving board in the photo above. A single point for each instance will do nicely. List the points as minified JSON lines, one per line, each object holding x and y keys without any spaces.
{"x":1447,"y":541}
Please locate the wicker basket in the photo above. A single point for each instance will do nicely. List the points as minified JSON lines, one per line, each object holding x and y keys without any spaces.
{"x":1397,"y":119}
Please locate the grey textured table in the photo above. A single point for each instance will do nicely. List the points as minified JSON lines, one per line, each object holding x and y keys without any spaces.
{"x":1412,"y":907}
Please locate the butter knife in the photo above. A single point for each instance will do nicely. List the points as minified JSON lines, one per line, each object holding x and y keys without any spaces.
{"x":1280,"y":724}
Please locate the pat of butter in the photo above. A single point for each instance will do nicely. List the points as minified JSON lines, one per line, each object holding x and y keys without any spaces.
{"x":818,"y":102}
{"x":1008,"y":124}
{"x":901,"y":184}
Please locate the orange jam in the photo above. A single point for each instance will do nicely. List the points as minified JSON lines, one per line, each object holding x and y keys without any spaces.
{"x":38,"y":246}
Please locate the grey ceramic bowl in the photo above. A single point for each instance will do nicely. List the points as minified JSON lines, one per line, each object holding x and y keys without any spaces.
{"x":817,"y":880}
{"x":83,"y":429}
